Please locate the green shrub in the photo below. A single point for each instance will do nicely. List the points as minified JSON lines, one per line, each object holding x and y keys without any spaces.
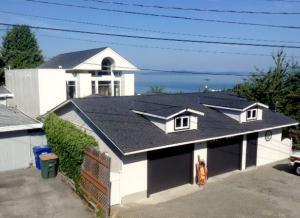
{"x":68,"y":142}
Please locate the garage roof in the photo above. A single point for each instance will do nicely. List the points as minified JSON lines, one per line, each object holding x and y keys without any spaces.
{"x":12,"y":119}
{"x":226,"y":100}
{"x":161,"y":110}
{"x":4,"y":92}
{"x":132,"y":133}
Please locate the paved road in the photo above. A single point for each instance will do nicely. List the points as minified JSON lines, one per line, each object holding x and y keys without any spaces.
{"x":269,"y":191}
{"x":23,"y":193}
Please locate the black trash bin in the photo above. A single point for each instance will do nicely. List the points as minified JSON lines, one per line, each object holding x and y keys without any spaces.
{"x":49,"y":165}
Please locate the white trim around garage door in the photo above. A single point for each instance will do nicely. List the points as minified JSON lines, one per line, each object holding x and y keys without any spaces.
{"x":208,"y":139}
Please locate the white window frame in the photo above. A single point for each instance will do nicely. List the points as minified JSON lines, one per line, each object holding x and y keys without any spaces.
{"x":251,"y":114}
{"x":182,"y":127}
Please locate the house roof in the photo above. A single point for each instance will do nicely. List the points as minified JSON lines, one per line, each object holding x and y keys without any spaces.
{"x":12,"y":119}
{"x":161,"y":110}
{"x":71,"y":59}
{"x":4,"y":92}
{"x":226,"y":100}
{"x":132,"y":133}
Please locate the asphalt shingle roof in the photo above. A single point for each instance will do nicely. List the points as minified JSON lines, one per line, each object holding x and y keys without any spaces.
{"x":224,"y":99}
{"x":131,"y":132}
{"x":159,"y":108}
{"x":13,"y":117}
{"x":70,"y":60}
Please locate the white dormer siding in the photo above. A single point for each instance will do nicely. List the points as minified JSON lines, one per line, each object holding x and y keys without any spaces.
{"x":168,"y":126}
{"x":241,"y":116}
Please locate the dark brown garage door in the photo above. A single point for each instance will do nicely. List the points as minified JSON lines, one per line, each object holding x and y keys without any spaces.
{"x":223,"y":155}
{"x":251,"y":154}
{"x":169,"y":168}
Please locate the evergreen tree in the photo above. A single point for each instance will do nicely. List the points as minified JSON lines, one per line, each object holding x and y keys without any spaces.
{"x":20,"y":49}
{"x":279,"y":88}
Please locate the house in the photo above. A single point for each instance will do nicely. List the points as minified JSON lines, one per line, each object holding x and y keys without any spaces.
{"x":99,"y":71}
{"x":18,"y":135}
{"x":154,"y":140}
{"x":5,"y":94}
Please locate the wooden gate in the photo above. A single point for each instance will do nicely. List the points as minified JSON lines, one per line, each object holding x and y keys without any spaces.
{"x":95,"y":181}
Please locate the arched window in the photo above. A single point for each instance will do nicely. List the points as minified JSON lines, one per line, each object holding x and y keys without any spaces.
{"x":107,"y":64}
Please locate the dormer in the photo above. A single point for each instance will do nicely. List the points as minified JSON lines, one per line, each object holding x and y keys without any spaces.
{"x":237,"y":108}
{"x":169,"y":118}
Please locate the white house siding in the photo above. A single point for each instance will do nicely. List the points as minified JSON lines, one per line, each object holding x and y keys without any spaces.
{"x":52,"y":88}
{"x":127,"y":84}
{"x":16,"y":149}
{"x":160,"y":123}
{"x":134,"y":174}
{"x":273,"y":150}
{"x":24,"y":84}
{"x":84,"y":84}
{"x":68,"y":113}
{"x":200,"y":150}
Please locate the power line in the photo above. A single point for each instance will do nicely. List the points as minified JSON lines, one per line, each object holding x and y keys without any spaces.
{"x":155,"y":38}
{"x":144,"y":30}
{"x":165,"y":16}
{"x":293,"y":1}
{"x":193,"y":9}
{"x":162,"y":48}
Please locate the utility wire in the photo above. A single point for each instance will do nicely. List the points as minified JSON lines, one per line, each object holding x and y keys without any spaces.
{"x":193,"y":9}
{"x":144,"y":30}
{"x":161,"y":48}
{"x":164,"y":15}
{"x":154,"y":38}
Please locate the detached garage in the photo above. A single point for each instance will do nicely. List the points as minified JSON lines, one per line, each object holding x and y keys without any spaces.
{"x":18,"y":134}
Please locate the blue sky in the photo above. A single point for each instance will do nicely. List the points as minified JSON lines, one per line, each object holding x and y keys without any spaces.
{"x":160,"y":58}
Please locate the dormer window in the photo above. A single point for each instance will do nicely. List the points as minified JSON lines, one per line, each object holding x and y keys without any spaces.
{"x":182,"y":122}
{"x":252,"y":114}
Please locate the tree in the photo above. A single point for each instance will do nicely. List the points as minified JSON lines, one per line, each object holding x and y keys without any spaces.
{"x":156,"y":89}
{"x":279,"y":88}
{"x":20,"y":49}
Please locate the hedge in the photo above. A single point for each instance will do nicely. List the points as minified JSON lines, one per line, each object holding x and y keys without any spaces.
{"x":68,"y":142}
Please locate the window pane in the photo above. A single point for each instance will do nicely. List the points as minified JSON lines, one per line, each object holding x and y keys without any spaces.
{"x":93,"y":87}
{"x":178,"y":122}
{"x":185,"y":122}
{"x":104,"y":88}
{"x":254,"y":114}
{"x":117,"y":88}
{"x":248,"y":114}
{"x":71,"y":89}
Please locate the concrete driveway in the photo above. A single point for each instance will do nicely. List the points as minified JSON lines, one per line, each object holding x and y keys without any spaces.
{"x":268,"y":191}
{"x":23,"y":193}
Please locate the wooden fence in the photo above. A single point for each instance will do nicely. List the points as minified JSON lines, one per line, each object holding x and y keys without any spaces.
{"x":95,"y":181}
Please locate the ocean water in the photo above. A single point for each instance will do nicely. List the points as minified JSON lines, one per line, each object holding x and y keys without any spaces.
{"x":183,"y":83}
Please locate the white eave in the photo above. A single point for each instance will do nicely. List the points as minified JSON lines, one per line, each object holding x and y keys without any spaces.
{"x":237,"y":109}
{"x":171,"y":116}
{"x":21,"y":127}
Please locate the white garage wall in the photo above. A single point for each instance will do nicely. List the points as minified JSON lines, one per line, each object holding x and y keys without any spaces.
{"x":134,"y":174}
{"x":273,"y":150}
{"x":16,"y":149}
{"x":200,"y":150}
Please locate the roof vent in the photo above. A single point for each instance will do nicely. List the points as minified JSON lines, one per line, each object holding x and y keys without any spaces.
{"x":59,"y":67}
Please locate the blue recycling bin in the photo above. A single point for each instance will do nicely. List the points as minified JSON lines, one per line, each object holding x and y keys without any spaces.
{"x":38,"y":150}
